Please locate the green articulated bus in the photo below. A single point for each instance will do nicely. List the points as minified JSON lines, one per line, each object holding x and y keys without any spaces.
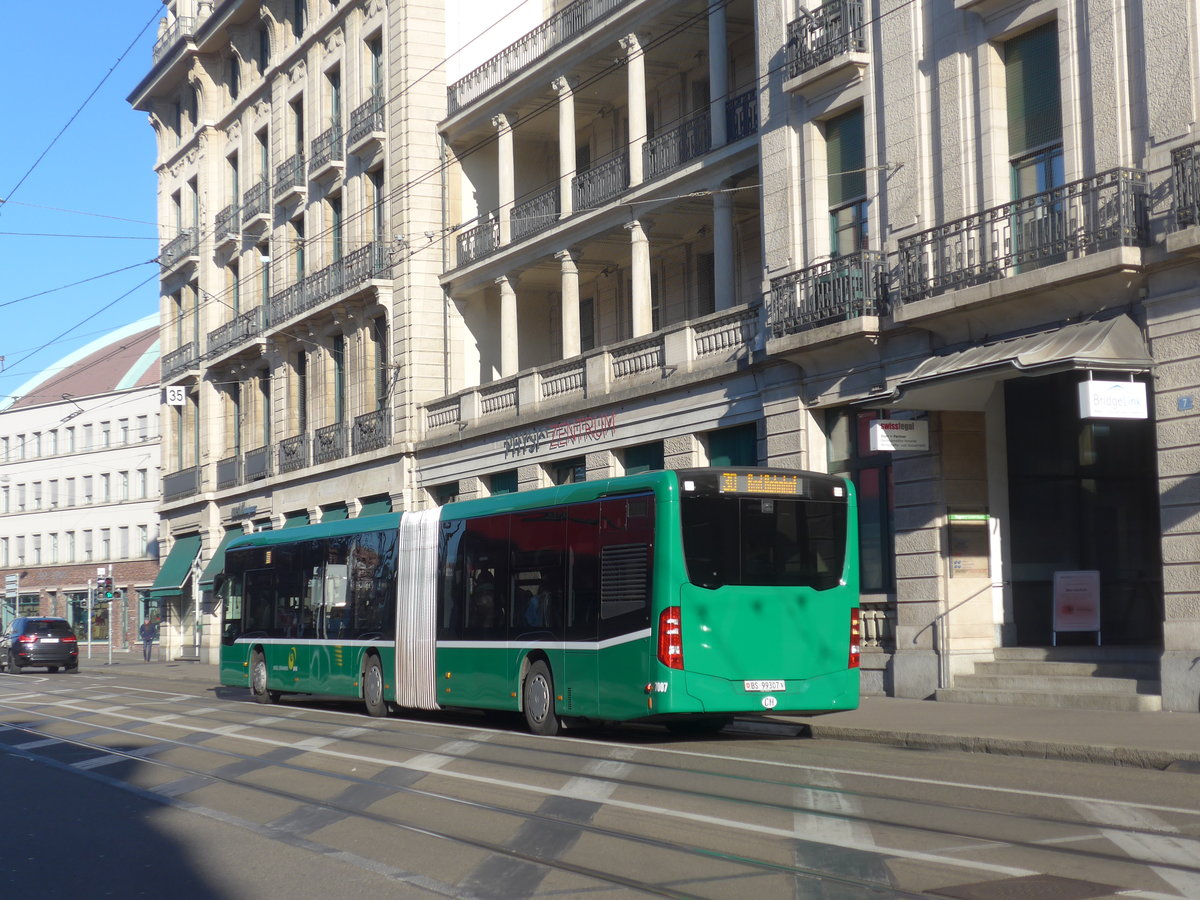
{"x":683,"y":597}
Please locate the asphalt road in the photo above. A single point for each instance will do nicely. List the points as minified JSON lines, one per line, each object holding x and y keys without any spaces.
{"x":125,"y":786}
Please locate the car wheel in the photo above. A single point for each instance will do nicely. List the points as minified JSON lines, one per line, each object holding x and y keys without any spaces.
{"x":373,"y":688}
{"x":13,"y":666}
{"x":258,"y":680}
{"x":537,"y":701}
{"x":72,"y":668}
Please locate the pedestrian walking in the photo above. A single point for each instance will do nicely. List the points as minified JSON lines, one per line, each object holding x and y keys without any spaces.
{"x":146,"y":636}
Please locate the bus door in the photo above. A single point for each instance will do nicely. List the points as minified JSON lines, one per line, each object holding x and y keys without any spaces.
{"x":579,"y":679}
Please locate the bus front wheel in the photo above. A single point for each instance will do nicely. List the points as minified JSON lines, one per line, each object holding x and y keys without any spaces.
{"x":373,"y":688}
{"x":537,"y":700}
{"x":258,"y":680}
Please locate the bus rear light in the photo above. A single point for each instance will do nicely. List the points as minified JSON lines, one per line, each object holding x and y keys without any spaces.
{"x":670,"y":638}
{"x":855,"y":639}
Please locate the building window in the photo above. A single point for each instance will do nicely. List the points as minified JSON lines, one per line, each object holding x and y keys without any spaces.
{"x":301,"y":392}
{"x":298,"y":246}
{"x":587,"y":324}
{"x":569,"y":471}
{"x":264,"y":50}
{"x":335,"y":227}
{"x":850,"y":455}
{"x":503,"y":483}
{"x":235,"y":78}
{"x":643,"y":458}
{"x":846,"y":161}
{"x":333,"y":88}
{"x":264,"y":397}
{"x":123,"y":542}
{"x":124,"y":485}
{"x":69,"y":547}
{"x":53,"y":550}
{"x":234,"y":288}
{"x":143,"y":484}
{"x":338,"y":358}
{"x":142,"y":547}
{"x":375,"y":64}
{"x":105,"y":488}
{"x":299,"y":17}
{"x":105,"y":543}
{"x":374,"y":188}
{"x":736,"y":446}
{"x":264,"y":274}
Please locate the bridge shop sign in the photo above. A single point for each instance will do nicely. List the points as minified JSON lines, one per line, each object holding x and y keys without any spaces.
{"x":581,"y":430}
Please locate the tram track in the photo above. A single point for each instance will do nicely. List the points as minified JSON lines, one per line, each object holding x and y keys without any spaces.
{"x":226,"y":728}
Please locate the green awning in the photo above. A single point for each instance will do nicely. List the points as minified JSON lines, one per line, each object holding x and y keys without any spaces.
{"x":217,"y":563}
{"x":334,"y":513}
{"x":176,"y":568}
{"x":376,"y":506}
{"x":295,"y":519}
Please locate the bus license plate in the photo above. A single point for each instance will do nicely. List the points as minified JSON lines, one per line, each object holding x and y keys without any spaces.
{"x":765,"y":685}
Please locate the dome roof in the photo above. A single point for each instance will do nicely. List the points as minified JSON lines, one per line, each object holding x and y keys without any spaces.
{"x":123,"y":359}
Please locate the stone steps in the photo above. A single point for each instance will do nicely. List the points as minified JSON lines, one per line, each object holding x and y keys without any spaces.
{"x":1076,"y":677}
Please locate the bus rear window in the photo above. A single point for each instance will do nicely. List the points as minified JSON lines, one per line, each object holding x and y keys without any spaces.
{"x":739,"y":540}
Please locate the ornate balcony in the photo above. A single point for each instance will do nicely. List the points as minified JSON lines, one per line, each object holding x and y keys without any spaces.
{"x":329,"y":443}
{"x":228,"y":472}
{"x":368,"y":124}
{"x":182,"y":28}
{"x":741,"y":115}
{"x":371,"y":431}
{"x":817,"y":36}
{"x":478,"y":241}
{"x":291,"y":178}
{"x":181,"y":484}
{"x":256,"y":464}
{"x":1185,"y":178}
{"x":228,"y":227}
{"x":536,"y":214}
{"x":848,"y":287}
{"x":1078,"y":219}
{"x":293,"y":453}
{"x":179,"y":361}
{"x":238,"y":330}
{"x":328,"y":154}
{"x":603,"y":182}
{"x":351,"y":271}
{"x":183,"y":248}
{"x":256,"y":206}
{"x":674,"y":148}
{"x":551,"y":34}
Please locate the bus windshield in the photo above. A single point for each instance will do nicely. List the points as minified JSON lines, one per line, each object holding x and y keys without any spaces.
{"x":780,"y":541}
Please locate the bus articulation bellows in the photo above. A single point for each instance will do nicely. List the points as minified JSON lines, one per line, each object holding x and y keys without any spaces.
{"x":684,"y":597}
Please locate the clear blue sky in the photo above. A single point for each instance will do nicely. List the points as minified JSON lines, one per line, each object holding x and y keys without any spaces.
{"x":101,"y":169}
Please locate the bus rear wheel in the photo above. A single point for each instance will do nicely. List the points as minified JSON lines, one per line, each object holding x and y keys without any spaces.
{"x":258,"y":680}
{"x":537,"y":701}
{"x":373,"y":688}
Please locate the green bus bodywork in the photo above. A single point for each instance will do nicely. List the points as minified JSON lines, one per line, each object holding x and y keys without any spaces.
{"x":746,"y":648}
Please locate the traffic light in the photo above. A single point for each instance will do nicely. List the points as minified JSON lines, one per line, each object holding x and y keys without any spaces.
{"x":104,"y":588}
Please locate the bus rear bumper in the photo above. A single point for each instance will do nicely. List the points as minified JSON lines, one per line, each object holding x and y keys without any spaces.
{"x":708,"y":694}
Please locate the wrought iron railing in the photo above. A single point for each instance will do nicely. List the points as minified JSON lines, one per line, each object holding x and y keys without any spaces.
{"x":604,"y":181}
{"x":847,"y":287}
{"x":228,"y":472}
{"x":1185,"y":179}
{"x":183,"y":246}
{"x":371,"y":431}
{"x":256,"y":201}
{"x":184,"y":483}
{"x":327,"y":147}
{"x":179,"y":360}
{"x":293,"y":453}
{"x":182,"y":27}
{"x":256,"y":464}
{"x":290,"y":175}
{"x":237,"y":330}
{"x":817,"y":36}
{"x":227,"y":227}
{"x":329,"y":443}
{"x":555,"y":31}
{"x":351,"y":271}
{"x":478,"y":241}
{"x":1077,"y":219}
{"x":535,"y":214}
{"x":673,"y":148}
{"x":741,"y":115}
{"x":367,"y":119}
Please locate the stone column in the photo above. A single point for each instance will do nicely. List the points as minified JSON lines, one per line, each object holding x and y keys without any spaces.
{"x":508,"y":327}
{"x":566,"y":145}
{"x":636,"y":66}
{"x":507,"y":176}
{"x":642,"y":316}
{"x":718,"y":72}
{"x":570,"y":304}
{"x":723,"y":276}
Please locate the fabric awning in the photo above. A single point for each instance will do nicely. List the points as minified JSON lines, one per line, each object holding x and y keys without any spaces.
{"x":177,"y":567}
{"x":295,"y":519}
{"x":376,"y":506}
{"x":962,"y":379}
{"x":217,"y":563}
{"x":334,"y":513}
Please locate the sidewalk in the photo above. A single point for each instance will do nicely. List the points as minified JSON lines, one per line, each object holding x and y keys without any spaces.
{"x":1154,"y":740}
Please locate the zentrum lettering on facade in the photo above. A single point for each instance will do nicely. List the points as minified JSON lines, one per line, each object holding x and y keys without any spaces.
{"x":561,"y":434}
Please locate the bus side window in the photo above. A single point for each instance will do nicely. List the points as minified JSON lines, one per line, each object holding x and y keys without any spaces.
{"x":583,"y":599}
{"x":626,"y":563}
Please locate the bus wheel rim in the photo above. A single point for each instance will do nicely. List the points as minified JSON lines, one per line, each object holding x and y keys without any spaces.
{"x":539,"y":698}
{"x":374,"y":685}
{"x":260,"y":677}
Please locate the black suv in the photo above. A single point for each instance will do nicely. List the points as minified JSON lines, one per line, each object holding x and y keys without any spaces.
{"x":39,"y":641}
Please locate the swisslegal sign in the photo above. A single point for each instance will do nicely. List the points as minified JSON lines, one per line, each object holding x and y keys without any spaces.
{"x":1112,"y":400}
{"x":900,"y":434}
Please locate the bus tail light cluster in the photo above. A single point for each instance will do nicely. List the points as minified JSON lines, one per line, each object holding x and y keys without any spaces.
{"x":670,"y":638}
{"x":855,"y":639}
